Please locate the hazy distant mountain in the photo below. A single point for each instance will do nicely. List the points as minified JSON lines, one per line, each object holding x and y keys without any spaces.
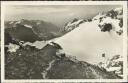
{"x":31,"y":30}
{"x":23,"y":33}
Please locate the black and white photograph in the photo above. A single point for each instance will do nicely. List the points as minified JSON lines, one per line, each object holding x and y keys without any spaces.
{"x":64,"y":41}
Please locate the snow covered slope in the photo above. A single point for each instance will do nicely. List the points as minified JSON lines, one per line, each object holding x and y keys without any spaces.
{"x":88,"y":42}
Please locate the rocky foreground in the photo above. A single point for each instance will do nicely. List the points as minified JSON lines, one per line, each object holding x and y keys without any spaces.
{"x":31,"y":63}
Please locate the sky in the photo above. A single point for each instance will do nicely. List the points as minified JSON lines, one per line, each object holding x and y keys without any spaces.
{"x":56,"y":14}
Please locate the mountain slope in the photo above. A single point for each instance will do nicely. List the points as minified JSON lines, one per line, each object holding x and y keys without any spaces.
{"x":31,"y":63}
{"x":89,"y":40}
{"x":23,"y":33}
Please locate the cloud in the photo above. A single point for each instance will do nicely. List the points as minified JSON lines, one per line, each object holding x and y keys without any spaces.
{"x":34,"y":9}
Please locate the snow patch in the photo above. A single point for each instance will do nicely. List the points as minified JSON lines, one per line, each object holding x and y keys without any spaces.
{"x":38,"y":23}
{"x":29,"y":26}
{"x":119,"y":10}
{"x":18,"y":22}
{"x":11,"y":22}
{"x":113,"y":22}
{"x":114,"y":68}
{"x":37,"y":44}
{"x":13,"y":47}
